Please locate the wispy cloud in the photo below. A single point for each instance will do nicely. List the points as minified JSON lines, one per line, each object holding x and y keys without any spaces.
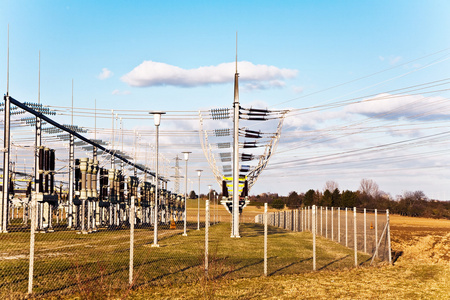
{"x":150,"y":73}
{"x":298,"y":89}
{"x":118,"y":92}
{"x":105,"y":74}
{"x":394,"y":107}
{"x":383,"y":107}
{"x":254,"y":85}
{"x":392,"y":59}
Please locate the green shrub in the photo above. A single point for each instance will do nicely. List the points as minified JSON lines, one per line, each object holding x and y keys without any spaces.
{"x":277,"y":204}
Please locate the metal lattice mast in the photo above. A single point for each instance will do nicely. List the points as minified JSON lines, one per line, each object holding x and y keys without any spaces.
{"x":71,"y":171}
{"x":6,"y":149}
{"x":177,"y":175}
{"x":235,"y":227}
{"x":37,"y":136}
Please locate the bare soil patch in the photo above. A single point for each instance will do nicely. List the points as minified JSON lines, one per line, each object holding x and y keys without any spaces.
{"x":420,"y":240}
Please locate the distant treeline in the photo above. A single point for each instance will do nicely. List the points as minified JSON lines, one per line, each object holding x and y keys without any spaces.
{"x":414,"y":204}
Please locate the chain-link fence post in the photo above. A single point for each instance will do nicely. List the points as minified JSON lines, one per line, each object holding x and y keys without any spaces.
{"x":206,"y":235}
{"x":132,"y":217}
{"x":303,"y":218}
{"x":32,"y":243}
{"x":265,"y":239}
{"x":314,"y":216}
{"x":376,"y":232}
{"x":346,"y":227}
{"x":339,"y":224}
{"x":306,"y":218}
{"x":321,"y":222}
{"x":389,"y":236}
{"x":355,"y":242}
{"x":310,"y":217}
{"x":332,"y":223}
{"x":365,"y":231}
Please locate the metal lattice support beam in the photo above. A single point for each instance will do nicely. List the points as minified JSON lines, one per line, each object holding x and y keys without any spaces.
{"x":113,"y":153}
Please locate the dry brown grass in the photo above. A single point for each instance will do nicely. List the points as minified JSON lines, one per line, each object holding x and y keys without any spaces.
{"x":223,"y":215}
{"x":422,"y":271}
{"x":421,"y":240}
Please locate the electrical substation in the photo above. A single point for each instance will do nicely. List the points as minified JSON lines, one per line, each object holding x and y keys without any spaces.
{"x":87,"y":182}
{"x":96,"y":196}
{"x":97,"y":189}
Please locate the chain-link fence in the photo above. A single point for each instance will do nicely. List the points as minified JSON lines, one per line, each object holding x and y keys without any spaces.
{"x":106,"y":250}
{"x":360,"y":229}
{"x":110,"y":258}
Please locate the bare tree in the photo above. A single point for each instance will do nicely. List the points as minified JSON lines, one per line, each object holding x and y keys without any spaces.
{"x":330,"y":185}
{"x":415,"y":196}
{"x":369,"y":187}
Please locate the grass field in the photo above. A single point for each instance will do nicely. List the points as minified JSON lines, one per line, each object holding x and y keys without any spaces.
{"x":95,"y":266}
{"x":422,"y":271}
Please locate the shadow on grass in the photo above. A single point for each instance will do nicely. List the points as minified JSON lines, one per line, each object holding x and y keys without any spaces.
{"x":255,"y":230}
{"x":365,"y":261}
{"x":88,"y":278}
{"x":167,"y":274}
{"x":334,"y":261}
{"x":289,"y":265}
{"x":396,"y":255}
{"x":240,"y":268}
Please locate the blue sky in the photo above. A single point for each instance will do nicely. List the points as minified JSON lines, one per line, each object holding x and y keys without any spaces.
{"x":295,"y":51}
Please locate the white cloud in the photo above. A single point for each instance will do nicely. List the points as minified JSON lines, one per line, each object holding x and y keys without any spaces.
{"x":312,"y":121}
{"x":151,"y":73}
{"x":256,"y":104}
{"x":394,"y":107}
{"x":254,"y":85}
{"x":393,"y":60}
{"x":298,"y":89}
{"x":118,"y":92}
{"x":105,"y":74}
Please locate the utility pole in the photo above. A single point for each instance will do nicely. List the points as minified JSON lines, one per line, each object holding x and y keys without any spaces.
{"x":71,"y":170}
{"x":235,"y":227}
{"x":112,"y":138}
{"x":177,"y":175}
{"x":6,"y":148}
{"x":38,"y":136}
{"x":38,"y":144}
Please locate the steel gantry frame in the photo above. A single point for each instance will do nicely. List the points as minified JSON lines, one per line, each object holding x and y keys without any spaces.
{"x":41,"y":117}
